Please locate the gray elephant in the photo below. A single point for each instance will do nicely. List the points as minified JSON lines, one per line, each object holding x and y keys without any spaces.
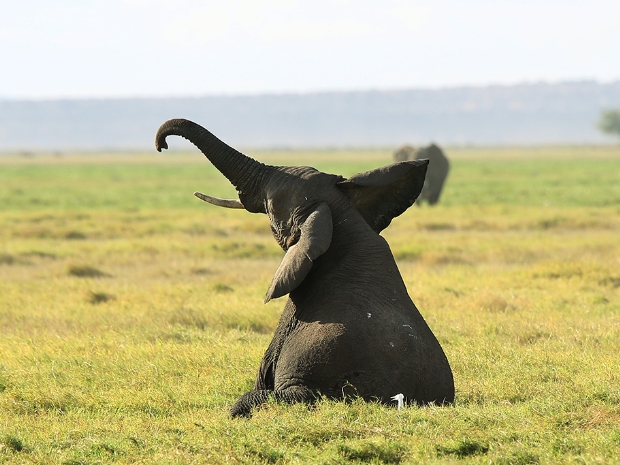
{"x":437,"y":172}
{"x":404,"y":153}
{"x":348,"y":328}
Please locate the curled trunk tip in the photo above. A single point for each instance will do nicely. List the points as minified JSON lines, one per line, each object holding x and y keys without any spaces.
{"x":245,"y":173}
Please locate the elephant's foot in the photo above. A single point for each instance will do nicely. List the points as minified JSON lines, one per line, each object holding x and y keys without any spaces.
{"x":243,"y":407}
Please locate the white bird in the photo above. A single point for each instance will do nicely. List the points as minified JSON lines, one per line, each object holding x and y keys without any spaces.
{"x":400,"y":398}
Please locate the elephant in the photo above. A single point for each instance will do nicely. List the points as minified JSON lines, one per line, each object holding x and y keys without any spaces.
{"x":349,"y":328}
{"x":438,"y":169}
{"x":404,"y":153}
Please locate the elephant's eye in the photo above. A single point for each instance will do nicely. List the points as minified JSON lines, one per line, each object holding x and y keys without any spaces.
{"x":276,"y":211}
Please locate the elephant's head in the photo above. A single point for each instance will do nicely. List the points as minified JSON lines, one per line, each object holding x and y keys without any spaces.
{"x":301,"y":202}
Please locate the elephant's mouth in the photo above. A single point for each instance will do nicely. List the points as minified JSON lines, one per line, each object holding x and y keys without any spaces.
{"x":284,"y":236}
{"x":293,"y":238}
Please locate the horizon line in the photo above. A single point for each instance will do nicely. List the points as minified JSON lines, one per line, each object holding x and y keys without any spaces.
{"x":523,"y":83}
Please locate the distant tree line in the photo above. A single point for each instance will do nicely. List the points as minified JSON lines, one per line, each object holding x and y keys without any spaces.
{"x":610,"y":122}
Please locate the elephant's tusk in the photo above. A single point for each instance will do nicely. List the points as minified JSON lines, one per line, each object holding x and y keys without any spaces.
{"x":228,"y":203}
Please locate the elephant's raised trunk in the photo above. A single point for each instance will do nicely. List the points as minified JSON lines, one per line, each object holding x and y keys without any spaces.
{"x":245,"y":173}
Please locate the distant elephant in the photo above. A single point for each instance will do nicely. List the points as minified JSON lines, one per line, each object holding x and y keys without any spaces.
{"x":438,"y":169}
{"x":404,"y":153}
{"x":349,"y":328}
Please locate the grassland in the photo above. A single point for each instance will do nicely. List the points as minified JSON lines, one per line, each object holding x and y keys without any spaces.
{"x":131,"y":314}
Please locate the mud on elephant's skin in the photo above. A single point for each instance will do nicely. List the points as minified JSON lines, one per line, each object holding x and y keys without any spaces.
{"x":348,"y":327}
{"x":437,"y":172}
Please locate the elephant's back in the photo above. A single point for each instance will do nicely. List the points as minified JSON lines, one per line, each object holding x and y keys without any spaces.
{"x":367,"y":351}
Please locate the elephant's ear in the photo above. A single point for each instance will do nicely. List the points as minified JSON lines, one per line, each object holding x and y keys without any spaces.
{"x":384,"y":193}
{"x":315,"y":238}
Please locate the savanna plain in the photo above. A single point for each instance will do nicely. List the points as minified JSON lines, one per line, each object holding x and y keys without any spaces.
{"x":131,"y":314}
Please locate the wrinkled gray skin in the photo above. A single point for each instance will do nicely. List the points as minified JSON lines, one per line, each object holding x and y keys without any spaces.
{"x":437,"y":172}
{"x":349,"y":327}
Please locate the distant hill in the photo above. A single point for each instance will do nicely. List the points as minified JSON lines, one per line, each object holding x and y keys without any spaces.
{"x":564,"y":113}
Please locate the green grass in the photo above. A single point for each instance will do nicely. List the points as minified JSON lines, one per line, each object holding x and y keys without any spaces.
{"x":534,"y":177}
{"x":131,"y":314}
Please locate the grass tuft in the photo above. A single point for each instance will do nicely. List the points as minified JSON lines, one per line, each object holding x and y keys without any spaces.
{"x":201,"y":271}
{"x":75,"y":235}
{"x":86,"y":271}
{"x":264,"y":453}
{"x":492,"y":303}
{"x":189,"y":318}
{"x":99,"y":297}
{"x":371,"y":451}
{"x":520,"y":457}
{"x":39,"y":254}
{"x":222,"y":288}
{"x":610,"y":281}
{"x":437,"y":226}
{"x":6,"y":259}
{"x":464,"y":448}
{"x":14,"y":443}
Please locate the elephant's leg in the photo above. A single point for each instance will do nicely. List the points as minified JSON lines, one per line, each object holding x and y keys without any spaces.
{"x":433,"y":197}
{"x":243,"y":407}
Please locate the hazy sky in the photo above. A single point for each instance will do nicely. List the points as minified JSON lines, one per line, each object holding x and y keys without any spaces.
{"x":124,"y":48}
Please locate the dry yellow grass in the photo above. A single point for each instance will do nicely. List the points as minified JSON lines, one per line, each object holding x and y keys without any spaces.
{"x":127,"y":331}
